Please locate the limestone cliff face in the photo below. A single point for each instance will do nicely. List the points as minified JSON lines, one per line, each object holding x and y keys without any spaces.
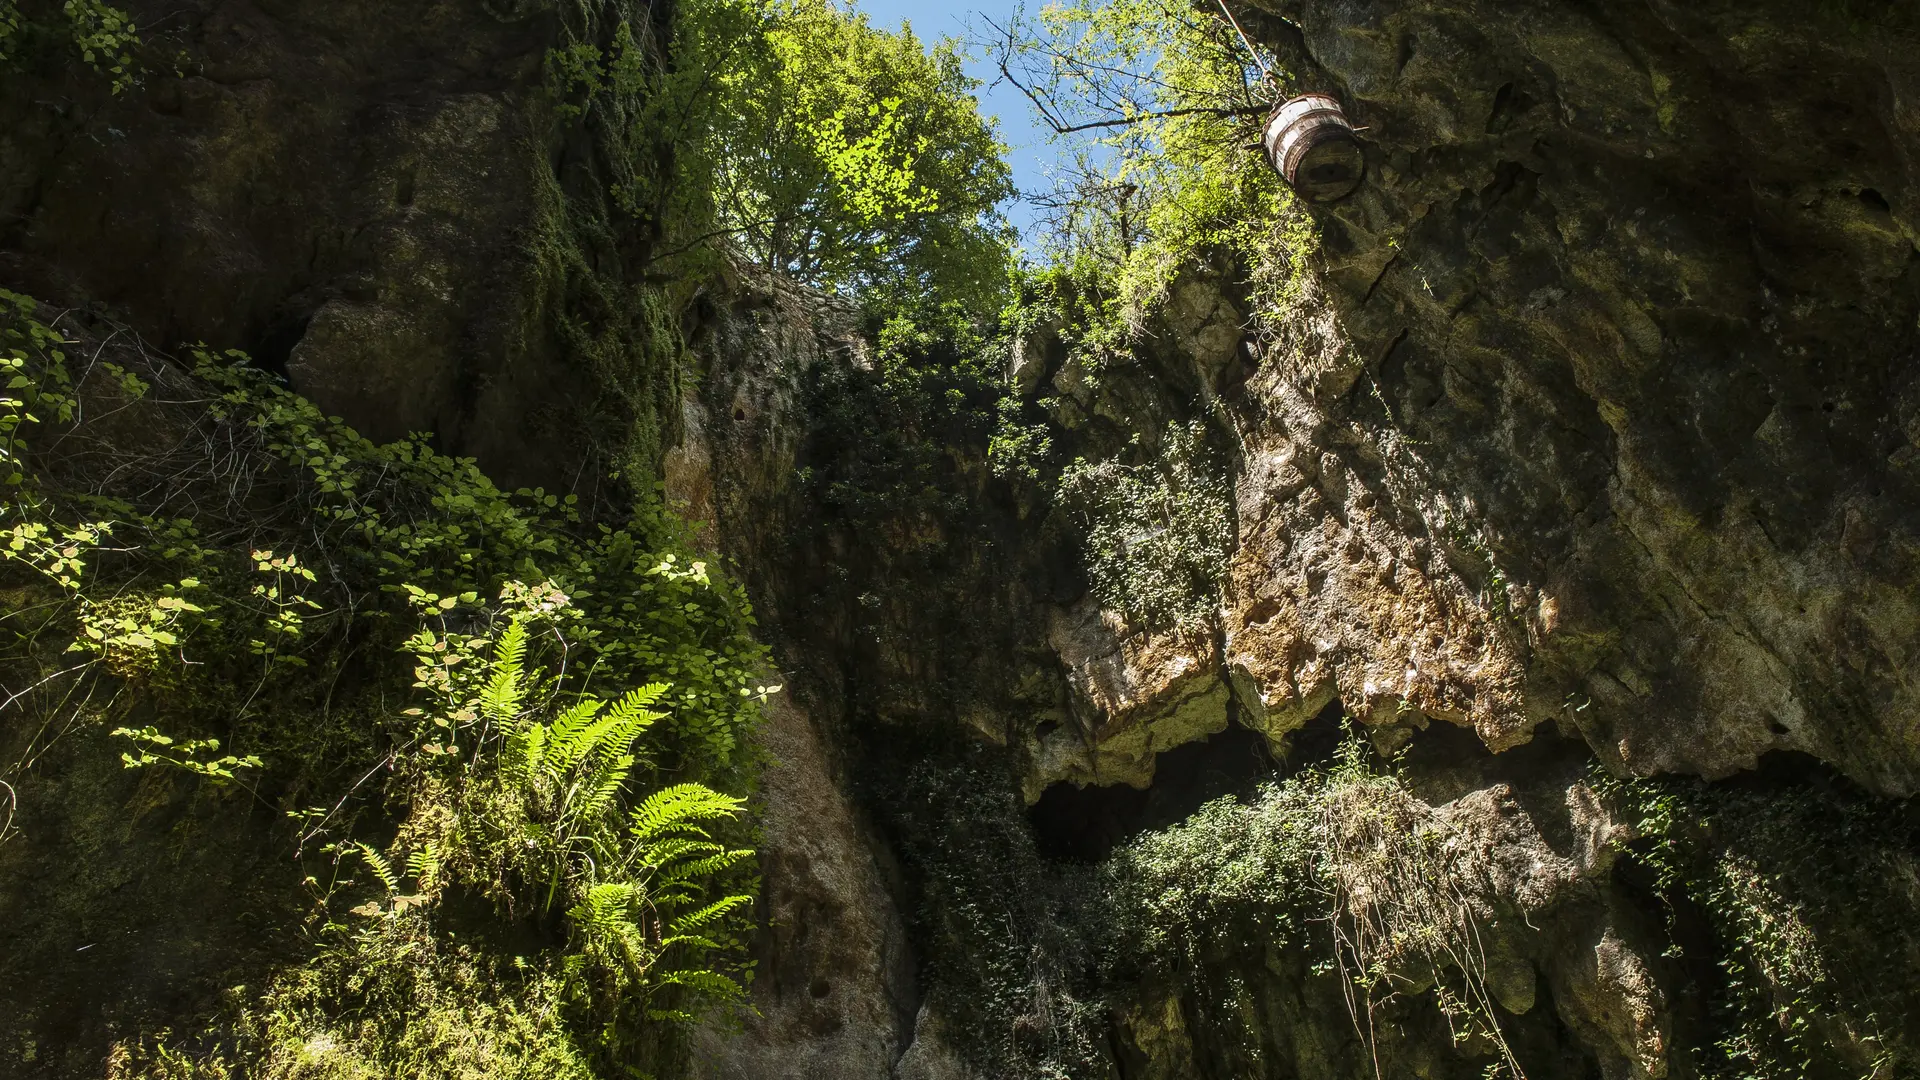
{"x":1599,"y":411}
{"x":1592,"y":436}
{"x":386,"y":202}
{"x":1623,"y":330}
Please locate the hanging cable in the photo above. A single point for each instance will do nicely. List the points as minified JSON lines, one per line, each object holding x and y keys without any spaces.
{"x":1251,"y":51}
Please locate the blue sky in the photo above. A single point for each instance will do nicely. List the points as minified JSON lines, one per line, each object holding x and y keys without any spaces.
{"x":1026,"y":138}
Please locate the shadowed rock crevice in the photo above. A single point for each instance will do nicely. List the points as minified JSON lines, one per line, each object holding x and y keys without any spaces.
{"x":274,"y":349}
{"x":1086,"y":823}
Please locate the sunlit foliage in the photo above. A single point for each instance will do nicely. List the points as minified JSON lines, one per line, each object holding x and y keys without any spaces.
{"x":838,"y":153}
{"x":1155,"y":104}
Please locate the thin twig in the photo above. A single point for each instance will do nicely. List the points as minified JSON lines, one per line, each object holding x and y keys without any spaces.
{"x":13,"y":805}
{"x":1251,"y":51}
{"x":18,"y":694}
{"x":1161,"y":114}
{"x":315,"y":831}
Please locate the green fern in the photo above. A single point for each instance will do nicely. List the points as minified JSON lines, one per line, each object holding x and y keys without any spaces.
{"x":382,"y":868}
{"x":568,"y":774}
{"x":608,"y":911}
{"x":500,"y":699}
{"x":674,"y":810}
{"x":701,"y":984}
{"x":707,"y":915}
{"x":424,"y":866}
{"x":636,"y":885}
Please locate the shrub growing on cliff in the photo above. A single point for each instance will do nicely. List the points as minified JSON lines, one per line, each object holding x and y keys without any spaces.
{"x":1156,"y":534}
{"x":1155,"y":101}
{"x":1338,"y":868}
{"x":1792,"y":905}
{"x":520,"y":797}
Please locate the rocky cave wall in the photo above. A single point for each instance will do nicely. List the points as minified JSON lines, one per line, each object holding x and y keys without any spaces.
{"x":387,"y":203}
{"x":1591,"y":435}
{"x":1625,"y":324}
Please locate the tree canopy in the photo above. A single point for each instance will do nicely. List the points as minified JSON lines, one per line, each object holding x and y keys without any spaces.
{"x":1154,"y":103}
{"x":842,"y":154}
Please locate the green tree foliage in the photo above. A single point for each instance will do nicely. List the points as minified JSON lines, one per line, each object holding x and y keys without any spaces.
{"x":1154,"y":103}
{"x":795,"y":137}
{"x":844,"y":155}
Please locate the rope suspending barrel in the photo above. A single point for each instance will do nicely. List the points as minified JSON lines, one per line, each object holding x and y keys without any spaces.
{"x":1311,"y":142}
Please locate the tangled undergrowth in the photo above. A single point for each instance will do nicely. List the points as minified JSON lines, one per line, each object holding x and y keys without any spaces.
{"x":1338,"y":894}
{"x":1791,"y":906}
{"x":1339,"y":866}
{"x":497,"y":735}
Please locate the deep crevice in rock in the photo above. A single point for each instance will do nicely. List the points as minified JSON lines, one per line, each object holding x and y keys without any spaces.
{"x":1085,"y":823}
{"x":274,"y":351}
{"x":1319,"y":738}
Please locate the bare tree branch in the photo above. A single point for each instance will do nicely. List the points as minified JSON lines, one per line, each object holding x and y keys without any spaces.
{"x":1010,"y":45}
{"x":1160,"y":115}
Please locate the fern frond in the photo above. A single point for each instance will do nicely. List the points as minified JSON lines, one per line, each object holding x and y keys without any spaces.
{"x":708,"y":983}
{"x":626,"y":725}
{"x":694,"y":920}
{"x":700,"y":868}
{"x":526,"y":755}
{"x":424,"y":865}
{"x":600,"y":796}
{"x":500,"y":698}
{"x":677,"y":808}
{"x":606,"y":909}
{"x":631,"y":716}
{"x":610,"y":745}
{"x":633,"y":705}
{"x":571,"y":736}
{"x":382,"y":868}
{"x":664,"y":853}
{"x":673,"y":898}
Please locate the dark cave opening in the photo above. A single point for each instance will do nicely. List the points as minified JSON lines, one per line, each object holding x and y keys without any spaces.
{"x":1085,"y":824}
{"x":1318,"y":740}
{"x":274,"y":351}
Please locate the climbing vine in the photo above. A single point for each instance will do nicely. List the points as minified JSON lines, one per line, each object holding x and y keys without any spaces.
{"x":102,"y":36}
{"x":1801,"y":891}
{"x":1157,"y":533}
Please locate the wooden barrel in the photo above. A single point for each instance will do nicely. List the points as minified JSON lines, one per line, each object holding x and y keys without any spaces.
{"x":1311,"y":142}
